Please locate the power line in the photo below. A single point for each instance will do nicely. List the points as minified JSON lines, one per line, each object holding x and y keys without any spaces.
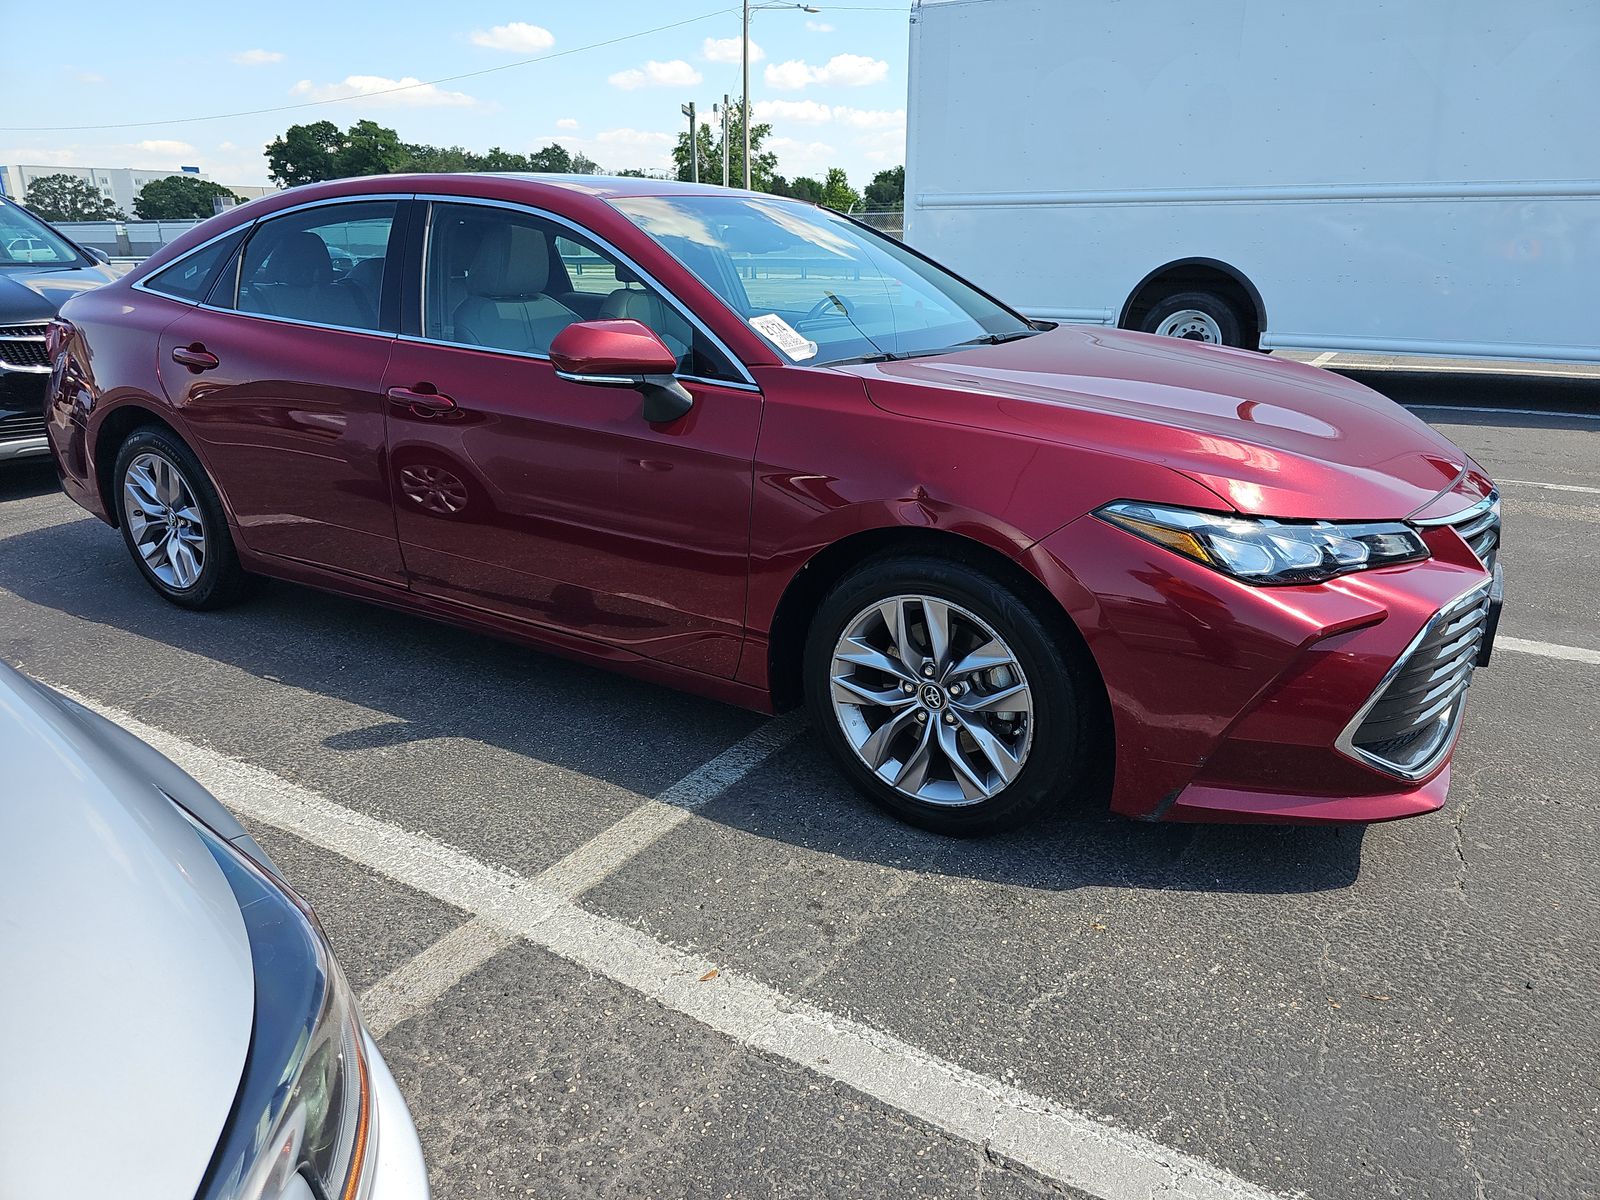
{"x":404,"y":87}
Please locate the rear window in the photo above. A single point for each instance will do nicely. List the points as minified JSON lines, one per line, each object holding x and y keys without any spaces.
{"x":189,"y":277}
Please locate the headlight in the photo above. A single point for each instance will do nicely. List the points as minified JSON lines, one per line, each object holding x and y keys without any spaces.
{"x":1261,"y":551}
{"x":301,"y":1128}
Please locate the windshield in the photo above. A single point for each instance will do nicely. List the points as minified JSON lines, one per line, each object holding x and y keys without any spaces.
{"x":27,"y":241}
{"x":818,"y":287}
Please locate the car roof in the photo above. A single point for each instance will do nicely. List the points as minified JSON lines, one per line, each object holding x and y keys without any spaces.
{"x":604,"y":187}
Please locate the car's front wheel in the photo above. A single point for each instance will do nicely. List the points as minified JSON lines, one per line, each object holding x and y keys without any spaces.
{"x":945,"y":695}
{"x":173,"y":524}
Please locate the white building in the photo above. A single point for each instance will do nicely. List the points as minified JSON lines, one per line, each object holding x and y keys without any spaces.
{"x":121,"y":184}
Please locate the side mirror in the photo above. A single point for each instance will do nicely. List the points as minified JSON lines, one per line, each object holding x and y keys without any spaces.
{"x":100,"y":256}
{"x":623,"y":353}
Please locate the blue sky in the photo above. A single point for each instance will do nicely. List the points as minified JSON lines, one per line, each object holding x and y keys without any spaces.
{"x":833,"y":84}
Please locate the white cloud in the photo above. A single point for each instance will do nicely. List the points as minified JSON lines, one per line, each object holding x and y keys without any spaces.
{"x":842,"y":70}
{"x":802,"y":158}
{"x":673,"y":73}
{"x":567,"y":123}
{"x":814,"y":112}
{"x":380,"y":90}
{"x":620,"y":149}
{"x":89,"y":77}
{"x":172,"y":149}
{"x":819,"y":27}
{"x":727,"y":50}
{"x":226,"y":146}
{"x":256,"y":58}
{"x":884,"y":147}
{"x":519,"y":37}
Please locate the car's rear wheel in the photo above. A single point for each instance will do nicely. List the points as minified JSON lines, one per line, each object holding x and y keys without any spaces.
{"x":173,"y":524}
{"x":945,"y":696}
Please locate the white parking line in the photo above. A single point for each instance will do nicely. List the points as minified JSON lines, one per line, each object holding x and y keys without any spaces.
{"x":1057,"y":1142}
{"x":419,"y":982}
{"x":1548,"y":650}
{"x":1323,"y":359}
{"x":1517,"y":412}
{"x":1554,"y":487}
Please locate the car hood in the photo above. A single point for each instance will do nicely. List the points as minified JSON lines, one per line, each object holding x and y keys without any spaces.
{"x":37,"y":294}
{"x":128,"y":996}
{"x":1269,"y":436}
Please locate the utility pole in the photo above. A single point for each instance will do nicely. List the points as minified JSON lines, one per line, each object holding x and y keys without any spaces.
{"x":724,"y":113}
{"x":744,"y":100}
{"x":694,"y":145}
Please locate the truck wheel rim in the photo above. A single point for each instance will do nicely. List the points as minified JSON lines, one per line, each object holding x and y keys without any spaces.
{"x":1192,"y":325}
{"x":932,"y":700}
{"x":164,"y":521}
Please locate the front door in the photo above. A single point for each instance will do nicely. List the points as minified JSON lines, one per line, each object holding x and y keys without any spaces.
{"x":554,"y":502}
{"x":279,"y":385}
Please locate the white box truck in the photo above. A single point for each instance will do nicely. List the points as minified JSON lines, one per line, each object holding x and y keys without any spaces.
{"x":1391,"y":176}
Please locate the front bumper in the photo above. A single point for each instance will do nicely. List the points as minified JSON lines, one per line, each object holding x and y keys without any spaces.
{"x":1229,"y":701}
{"x":398,"y":1173}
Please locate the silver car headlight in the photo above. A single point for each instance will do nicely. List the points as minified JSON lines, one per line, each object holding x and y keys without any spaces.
{"x":1261,"y":551}
{"x":301,"y":1127}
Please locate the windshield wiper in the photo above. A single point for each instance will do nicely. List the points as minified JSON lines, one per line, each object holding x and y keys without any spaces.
{"x":998,"y":339}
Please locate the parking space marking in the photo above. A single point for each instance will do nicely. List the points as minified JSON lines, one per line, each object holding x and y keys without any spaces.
{"x":1515,"y":412}
{"x":1548,"y":650}
{"x":1058,"y":1142}
{"x":1323,"y":359}
{"x":1555,"y":487}
{"x":417,"y":983}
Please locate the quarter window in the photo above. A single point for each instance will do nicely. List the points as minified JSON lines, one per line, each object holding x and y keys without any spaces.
{"x":323,"y":265}
{"x":189,"y":277}
{"x":508,"y":280}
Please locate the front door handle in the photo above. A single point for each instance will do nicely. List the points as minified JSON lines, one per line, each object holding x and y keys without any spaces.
{"x":196,"y":357}
{"x":427,"y":403}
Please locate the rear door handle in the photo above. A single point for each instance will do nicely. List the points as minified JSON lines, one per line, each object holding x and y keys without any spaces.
{"x":196,"y":357}
{"x":422,"y":403}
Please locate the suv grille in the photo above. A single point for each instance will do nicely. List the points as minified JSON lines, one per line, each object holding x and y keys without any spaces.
{"x":17,"y":426}
{"x":1407,"y":725}
{"x":23,"y":346}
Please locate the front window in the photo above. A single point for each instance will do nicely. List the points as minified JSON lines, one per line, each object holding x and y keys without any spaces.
{"x":820,"y":288}
{"x":27,"y":241}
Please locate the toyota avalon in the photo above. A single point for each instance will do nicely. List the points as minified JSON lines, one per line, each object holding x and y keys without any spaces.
{"x":747,"y":446}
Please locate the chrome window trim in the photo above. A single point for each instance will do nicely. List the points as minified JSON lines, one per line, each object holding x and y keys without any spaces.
{"x":748,"y":382}
{"x":608,"y":380}
{"x":535,"y":356}
{"x":253,"y":316}
{"x":1345,"y":743}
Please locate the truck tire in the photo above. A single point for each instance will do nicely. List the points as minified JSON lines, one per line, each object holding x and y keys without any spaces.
{"x":1196,"y":317}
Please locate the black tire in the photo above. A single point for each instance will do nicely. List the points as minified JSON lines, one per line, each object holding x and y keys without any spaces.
{"x":1229,"y":322}
{"x":1052,"y":663}
{"x":221,"y":581}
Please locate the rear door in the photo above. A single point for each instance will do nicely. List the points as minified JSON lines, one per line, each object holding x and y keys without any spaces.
{"x":278,"y":378}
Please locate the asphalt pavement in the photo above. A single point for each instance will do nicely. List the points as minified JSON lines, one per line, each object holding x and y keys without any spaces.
{"x":1406,"y":1010}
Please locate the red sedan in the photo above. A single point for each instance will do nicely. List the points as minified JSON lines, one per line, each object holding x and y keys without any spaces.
{"x":746,"y":446}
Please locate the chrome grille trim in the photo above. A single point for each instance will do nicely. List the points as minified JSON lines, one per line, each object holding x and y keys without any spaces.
{"x":1409,"y":723}
{"x":1478,"y":525}
{"x":22,"y":348}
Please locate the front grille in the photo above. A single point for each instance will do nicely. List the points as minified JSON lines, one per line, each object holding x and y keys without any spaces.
{"x":1407,"y":725}
{"x":16,"y":426}
{"x":23,"y":346}
{"x":1479,"y":527}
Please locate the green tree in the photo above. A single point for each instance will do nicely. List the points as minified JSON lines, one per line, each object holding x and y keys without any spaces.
{"x":887,"y":191}
{"x":370,"y":149}
{"x":179,"y":198}
{"x":837,"y":192}
{"x":69,"y":198}
{"x":554,"y":159}
{"x":307,"y":153}
{"x":582,"y":164}
{"x":763,"y":163}
{"x":806,"y":188}
{"x":436,"y":159}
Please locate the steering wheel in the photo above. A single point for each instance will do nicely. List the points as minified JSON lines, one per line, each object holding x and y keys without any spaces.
{"x":827,"y":302}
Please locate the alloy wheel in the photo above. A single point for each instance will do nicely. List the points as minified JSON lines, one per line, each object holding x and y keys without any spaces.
{"x":932,"y":700}
{"x":434,"y":489}
{"x":164,"y":520}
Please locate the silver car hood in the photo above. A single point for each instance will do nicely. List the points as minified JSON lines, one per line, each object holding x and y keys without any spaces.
{"x":126,"y":984}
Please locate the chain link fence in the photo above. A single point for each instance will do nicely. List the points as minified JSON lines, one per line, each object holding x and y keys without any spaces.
{"x":892,"y":223}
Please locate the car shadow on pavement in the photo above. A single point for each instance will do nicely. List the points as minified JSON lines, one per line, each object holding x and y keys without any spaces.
{"x":434,"y":681}
{"x":26,"y":478}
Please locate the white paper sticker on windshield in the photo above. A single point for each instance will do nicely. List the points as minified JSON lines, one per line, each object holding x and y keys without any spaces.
{"x":784,"y":336}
